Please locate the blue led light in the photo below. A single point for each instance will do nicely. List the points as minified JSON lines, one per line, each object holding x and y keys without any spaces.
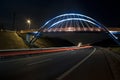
{"x":72,"y":14}
{"x":69,"y":19}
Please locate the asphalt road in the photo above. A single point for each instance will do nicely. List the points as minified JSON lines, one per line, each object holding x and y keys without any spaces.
{"x":91,"y":63}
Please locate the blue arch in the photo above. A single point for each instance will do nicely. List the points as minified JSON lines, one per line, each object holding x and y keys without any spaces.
{"x":69,"y":19}
{"x":73,"y":14}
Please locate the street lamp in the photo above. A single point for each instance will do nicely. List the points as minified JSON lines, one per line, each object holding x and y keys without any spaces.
{"x":29,"y":22}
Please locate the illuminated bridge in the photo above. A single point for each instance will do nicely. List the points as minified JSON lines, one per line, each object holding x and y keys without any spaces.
{"x":75,"y":28}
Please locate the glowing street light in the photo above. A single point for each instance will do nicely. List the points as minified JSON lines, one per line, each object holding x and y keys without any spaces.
{"x":29,"y":22}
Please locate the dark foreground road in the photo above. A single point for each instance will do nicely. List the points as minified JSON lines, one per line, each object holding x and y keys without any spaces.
{"x":83,"y":64}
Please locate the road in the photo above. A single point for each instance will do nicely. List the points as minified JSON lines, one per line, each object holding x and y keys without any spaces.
{"x":81,"y":64}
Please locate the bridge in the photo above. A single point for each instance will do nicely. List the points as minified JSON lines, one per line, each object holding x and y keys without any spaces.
{"x":75,"y":28}
{"x":64,"y":63}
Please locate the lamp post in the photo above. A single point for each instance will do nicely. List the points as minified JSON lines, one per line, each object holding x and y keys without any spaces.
{"x":29,"y":23}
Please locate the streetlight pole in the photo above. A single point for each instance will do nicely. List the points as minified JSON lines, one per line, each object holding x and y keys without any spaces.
{"x":29,"y":23}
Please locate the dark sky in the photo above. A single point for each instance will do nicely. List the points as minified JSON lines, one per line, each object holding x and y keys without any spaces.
{"x":106,"y":12}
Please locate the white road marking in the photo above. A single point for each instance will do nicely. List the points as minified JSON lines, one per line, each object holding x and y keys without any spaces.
{"x":77,"y":65}
{"x":38,"y":62}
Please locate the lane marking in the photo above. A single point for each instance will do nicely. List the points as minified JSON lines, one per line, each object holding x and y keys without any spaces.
{"x":77,"y":65}
{"x":38,"y":62}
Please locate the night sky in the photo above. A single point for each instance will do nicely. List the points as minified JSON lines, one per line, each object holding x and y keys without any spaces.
{"x":106,"y":12}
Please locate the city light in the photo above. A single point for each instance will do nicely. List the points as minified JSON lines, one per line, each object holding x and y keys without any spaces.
{"x":29,"y":23}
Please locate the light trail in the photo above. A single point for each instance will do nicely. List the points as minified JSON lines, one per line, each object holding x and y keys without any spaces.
{"x":13,"y":53}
